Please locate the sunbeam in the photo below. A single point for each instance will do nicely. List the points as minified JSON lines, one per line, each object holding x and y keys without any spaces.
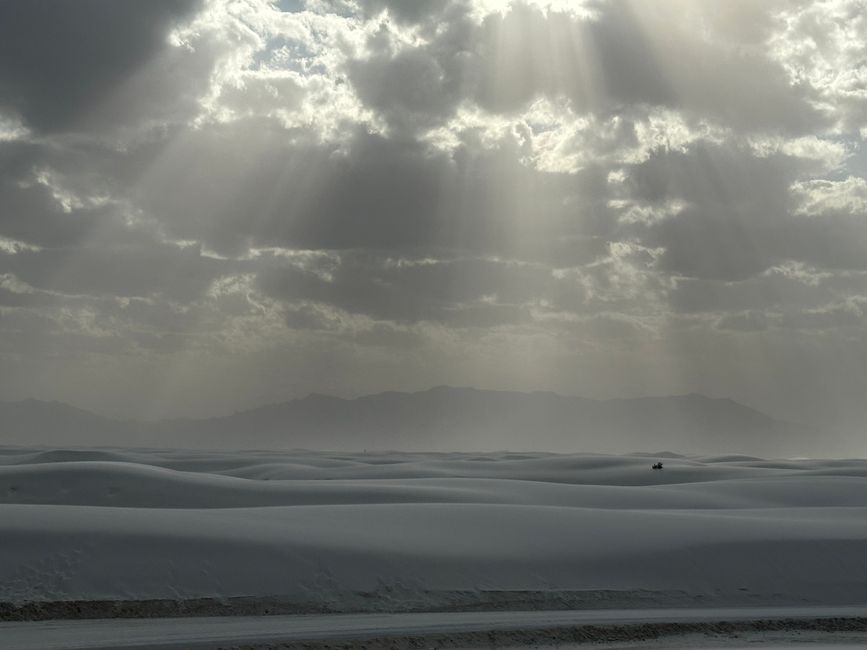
{"x":243,"y":202}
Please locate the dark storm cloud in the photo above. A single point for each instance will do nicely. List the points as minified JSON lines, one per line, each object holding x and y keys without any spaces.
{"x":68,"y":247}
{"x":368,"y":192}
{"x":738,"y":218}
{"x":776,"y":290}
{"x":830,"y":241}
{"x":32,"y":215}
{"x":403,"y":11}
{"x":60,"y":61}
{"x":274,"y":191}
{"x":410,"y":89}
{"x":56,"y":196}
{"x":628,"y":53}
{"x":460,"y":292}
{"x":120,"y":270}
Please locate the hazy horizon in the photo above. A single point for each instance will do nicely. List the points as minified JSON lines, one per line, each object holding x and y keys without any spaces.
{"x":427,"y":389}
{"x":207,"y":206}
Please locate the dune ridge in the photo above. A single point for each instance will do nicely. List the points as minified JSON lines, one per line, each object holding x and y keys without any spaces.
{"x":318,"y":531}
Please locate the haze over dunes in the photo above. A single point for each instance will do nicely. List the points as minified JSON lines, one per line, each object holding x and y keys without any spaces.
{"x":445,"y":419}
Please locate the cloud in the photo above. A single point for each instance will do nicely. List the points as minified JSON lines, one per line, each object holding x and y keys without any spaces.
{"x":604,"y":196}
{"x":740,"y":214}
{"x":821,"y":46}
{"x":460,"y":292}
{"x":820,"y":196}
{"x":366,"y":191}
{"x":615,"y":55}
{"x":122,"y":270}
{"x":750,"y":321}
{"x":68,"y":65}
{"x":404,"y":12}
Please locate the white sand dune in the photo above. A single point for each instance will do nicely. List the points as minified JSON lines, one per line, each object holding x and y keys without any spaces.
{"x":404,"y":529}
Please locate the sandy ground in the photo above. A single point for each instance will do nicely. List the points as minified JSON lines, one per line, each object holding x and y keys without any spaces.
{"x":113,"y":534}
{"x":409,"y":532}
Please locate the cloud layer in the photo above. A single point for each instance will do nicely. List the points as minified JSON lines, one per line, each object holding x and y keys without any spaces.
{"x":207,"y":204}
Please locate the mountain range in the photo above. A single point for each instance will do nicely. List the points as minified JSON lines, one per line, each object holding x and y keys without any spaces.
{"x":439,"y":419}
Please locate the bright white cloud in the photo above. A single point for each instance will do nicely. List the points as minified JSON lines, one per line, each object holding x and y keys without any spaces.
{"x":817,"y":197}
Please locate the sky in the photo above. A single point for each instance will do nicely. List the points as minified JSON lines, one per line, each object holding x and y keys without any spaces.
{"x":207,"y":205}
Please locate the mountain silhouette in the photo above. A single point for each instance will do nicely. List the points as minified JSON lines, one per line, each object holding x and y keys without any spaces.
{"x":439,"y":419}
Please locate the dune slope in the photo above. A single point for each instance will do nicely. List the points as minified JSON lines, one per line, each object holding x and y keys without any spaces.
{"x":410,"y":531}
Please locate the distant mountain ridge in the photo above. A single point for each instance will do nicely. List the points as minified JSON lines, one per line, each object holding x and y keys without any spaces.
{"x":439,"y":419}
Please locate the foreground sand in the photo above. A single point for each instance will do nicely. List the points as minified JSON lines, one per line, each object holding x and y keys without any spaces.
{"x":107,"y":533}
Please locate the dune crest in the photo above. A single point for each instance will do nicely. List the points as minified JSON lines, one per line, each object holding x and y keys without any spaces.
{"x":348,"y":532}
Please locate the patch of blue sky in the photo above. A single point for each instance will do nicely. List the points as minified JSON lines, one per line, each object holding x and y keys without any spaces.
{"x":291,"y":6}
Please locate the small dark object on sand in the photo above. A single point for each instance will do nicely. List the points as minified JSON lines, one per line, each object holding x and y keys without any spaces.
{"x":656,"y":466}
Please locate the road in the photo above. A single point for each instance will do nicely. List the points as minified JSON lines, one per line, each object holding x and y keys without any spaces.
{"x":208,"y":633}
